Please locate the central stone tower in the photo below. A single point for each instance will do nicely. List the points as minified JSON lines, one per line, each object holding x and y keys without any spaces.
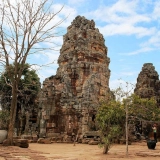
{"x":70,"y":98}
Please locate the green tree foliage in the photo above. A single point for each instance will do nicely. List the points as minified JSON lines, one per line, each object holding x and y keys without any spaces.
{"x":144,"y":108}
{"x":4,"y":118}
{"x":111,"y":115}
{"x":26,"y":28}
{"x":28,"y":88}
{"x":110,"y":119}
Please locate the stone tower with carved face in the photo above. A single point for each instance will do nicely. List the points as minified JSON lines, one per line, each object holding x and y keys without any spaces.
{"x":70,"y":98}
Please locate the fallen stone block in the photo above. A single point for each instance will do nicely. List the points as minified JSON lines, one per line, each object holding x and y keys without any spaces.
{"x":92,"y":142}
{"x":44,"y":140}
{"x":23,"y":143}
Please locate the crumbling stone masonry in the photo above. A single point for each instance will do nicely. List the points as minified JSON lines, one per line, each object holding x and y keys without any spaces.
{"x":148,"y":83}
{"x":70,"y":98}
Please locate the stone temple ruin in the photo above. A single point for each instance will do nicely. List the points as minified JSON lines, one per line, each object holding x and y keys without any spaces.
{"x":69,"y":99}
{"x":148,"y":83}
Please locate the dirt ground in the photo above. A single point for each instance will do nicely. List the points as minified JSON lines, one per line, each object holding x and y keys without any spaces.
{"x":136,"y":151}
{"x":61,"y":151}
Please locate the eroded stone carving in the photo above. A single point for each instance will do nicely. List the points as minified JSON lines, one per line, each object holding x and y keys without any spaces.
{"x":148,"y":83}
{"x":81,"y":81}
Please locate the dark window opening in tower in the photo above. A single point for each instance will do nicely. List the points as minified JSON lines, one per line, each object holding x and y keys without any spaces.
{"x":93,"y":117}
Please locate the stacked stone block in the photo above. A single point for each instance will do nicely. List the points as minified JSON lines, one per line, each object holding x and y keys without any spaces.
{"x":70,"y":98}
{"x":148,"y":83}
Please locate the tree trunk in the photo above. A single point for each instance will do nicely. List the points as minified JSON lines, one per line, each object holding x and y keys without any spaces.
{"x":12,"y":114}
{"x":105,"y":149}
{"x":126,"y":108}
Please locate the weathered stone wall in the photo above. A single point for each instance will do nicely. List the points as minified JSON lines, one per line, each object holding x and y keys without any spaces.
{"x":70,"y":97}
{"x":148,"y":83}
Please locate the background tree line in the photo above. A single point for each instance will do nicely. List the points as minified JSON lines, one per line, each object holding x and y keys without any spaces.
{"x":114,"y":115}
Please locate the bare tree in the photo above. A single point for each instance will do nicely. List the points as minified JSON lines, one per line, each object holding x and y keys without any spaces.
{"x":24,"y":26}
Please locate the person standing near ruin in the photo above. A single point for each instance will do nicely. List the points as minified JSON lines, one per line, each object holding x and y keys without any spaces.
{"x":155,"y":132}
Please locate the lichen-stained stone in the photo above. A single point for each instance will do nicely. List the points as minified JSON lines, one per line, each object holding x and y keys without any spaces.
{"x":82,"y":79}
{"x":148,"y":83}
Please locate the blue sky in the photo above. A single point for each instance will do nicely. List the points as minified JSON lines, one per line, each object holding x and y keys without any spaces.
{"x":131,"y":29}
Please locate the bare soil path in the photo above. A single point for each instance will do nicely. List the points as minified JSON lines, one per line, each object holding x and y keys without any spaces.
{"x":62,"y":151}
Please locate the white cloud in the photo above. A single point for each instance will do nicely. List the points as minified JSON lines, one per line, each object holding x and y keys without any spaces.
{"x":35,"y":67}
{"x":123,"y":18}
{"x":139,"y":18}
{"x":156,"y":11}
{"x":75,"y":2}
{"x":126,"y":86}
{"x":153,"y":41}
{"x":127,"y":73}
{"x":47,"y":72}
{"x":67,"y":12}
{"x":45,"y":58}
{"x":121,"y":12}
{"x":126,"y":29}
{"x":115,"y":13}
{"x":141,"y":50}
{"x":52,"y":56}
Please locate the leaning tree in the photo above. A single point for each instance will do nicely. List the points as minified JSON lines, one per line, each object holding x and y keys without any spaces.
{"x":26,"y":27}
